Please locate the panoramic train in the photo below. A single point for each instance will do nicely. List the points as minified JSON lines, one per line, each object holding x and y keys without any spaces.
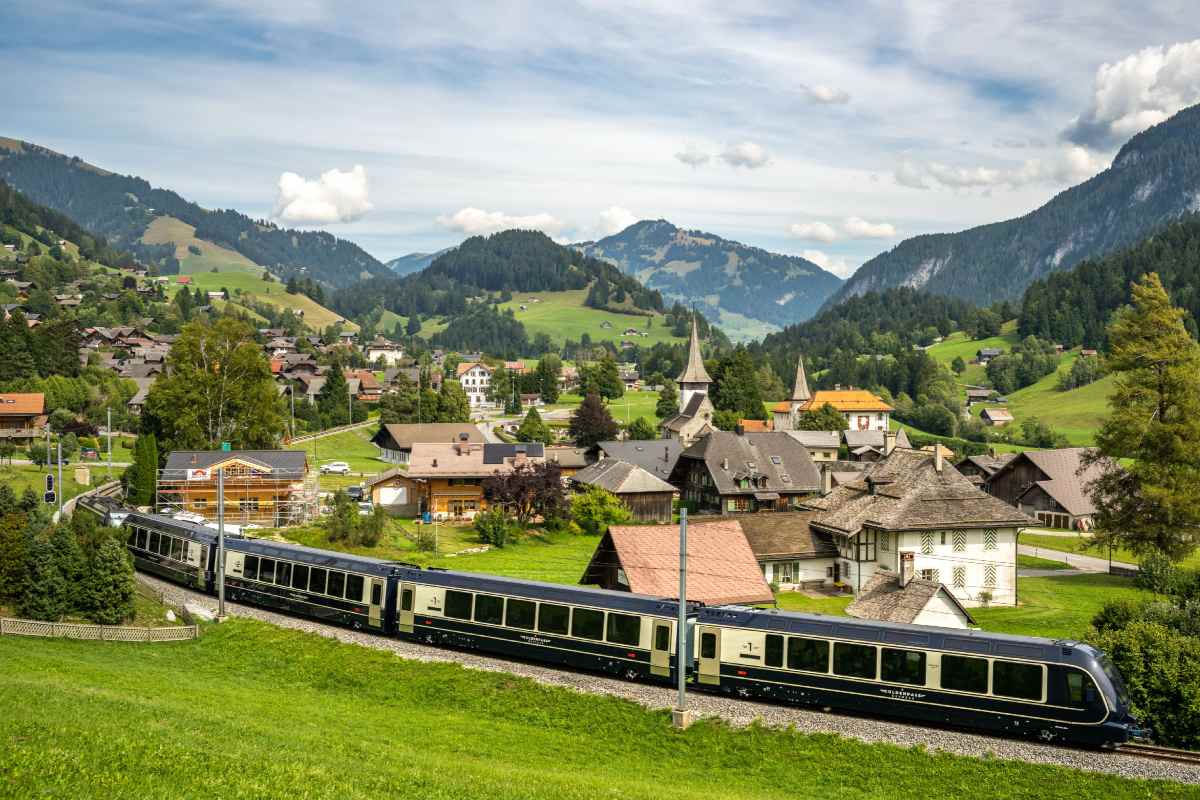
{"x":1061,"y":691}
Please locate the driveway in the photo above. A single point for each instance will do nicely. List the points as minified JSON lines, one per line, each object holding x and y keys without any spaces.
{"x":1077,"y":561}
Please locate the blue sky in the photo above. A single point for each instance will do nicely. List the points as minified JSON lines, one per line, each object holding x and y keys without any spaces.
{"x":832,"y":130}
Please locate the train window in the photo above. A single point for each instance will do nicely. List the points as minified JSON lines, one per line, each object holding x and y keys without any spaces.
{"x":773,"y":650}
{"x":587,"y":623}
{"x":1080,"y":689}
{"x":337,"y":583}
{"x":807,"y":654}
{"x":250,"y":568}
{"x":1013,"y":679}
{"x":489,"y":609}
{"x":133,"y":535}
{"x":376,"y":593}
{"x":143,"y":538}
{"x":406,"y":600}
{"x":458,"y":604}
{"x":520,"y":614}
{"x":283,"y":573}
{"x":316,"y":580}
{"x":965,"y":674}
{"x":854,"y":660}
{"x":354,"y":587}
{"x":708,"y":645}
{"x":624,"y":629}
{"x":177,"y":549}
{"x":300,"y":577}
{"x":164,"y":546}
{"x":553,"y":619}
{"x":662,"y":637}
{"x":904,"y":666}
{"x":153,"y":548}
{"x":266,"y":570}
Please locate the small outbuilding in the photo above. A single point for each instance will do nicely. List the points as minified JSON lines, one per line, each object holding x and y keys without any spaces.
{"x":649,"y":498}
{"x":996,"y":417}
{"x":644,"y":559}
{"x":396,"y":493}
{"x":917,"y":602}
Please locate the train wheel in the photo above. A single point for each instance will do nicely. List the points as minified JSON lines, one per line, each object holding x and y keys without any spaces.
{"x":631,"y":674}
{"x":1046,"y":735}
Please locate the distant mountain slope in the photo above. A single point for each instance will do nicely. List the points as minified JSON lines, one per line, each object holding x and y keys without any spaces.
{"x":1154,"y":179}
{"x":20,"y":215}
{"x":723,"y":275}
{"x":413,"y":262}
{"x":122,"y":207}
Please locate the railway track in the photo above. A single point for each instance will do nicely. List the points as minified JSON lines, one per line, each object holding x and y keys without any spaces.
{"x":1157,"y":753}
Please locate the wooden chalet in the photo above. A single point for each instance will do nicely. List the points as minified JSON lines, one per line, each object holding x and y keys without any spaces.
{"x":649,"y":499}
{"x":272,"y":488}
{"x":731,"y":473}
{"x":22,"y":415}
{"x":453,"y":474}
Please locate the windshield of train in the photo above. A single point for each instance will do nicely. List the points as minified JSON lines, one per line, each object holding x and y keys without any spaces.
{"x":1114,"y":678}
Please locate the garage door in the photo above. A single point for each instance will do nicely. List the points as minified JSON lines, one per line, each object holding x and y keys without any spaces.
{"x":393,"y":496}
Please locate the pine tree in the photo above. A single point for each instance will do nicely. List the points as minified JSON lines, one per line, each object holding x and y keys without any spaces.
{"x":608,"y":378}
{"x":332,"y":400}
{"x":452,"y":405}
{"x":72,"y":564}
{"x":44,"y":591}
{"x":29,"y":500}
{"x":591,"y":423}
{"x":668,"y":400}
{"x":641,"y":429}
{"x":1152,"y":502}
{"x":8,"y":500}
{"x":533,"y":429}
{"x":14,"y":550}
{"x":109,"y":587}
{"x":548,"y":370}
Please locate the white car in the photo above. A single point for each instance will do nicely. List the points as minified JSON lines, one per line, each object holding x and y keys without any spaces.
{"x":366,"y":509}
{"x":335,"y":468}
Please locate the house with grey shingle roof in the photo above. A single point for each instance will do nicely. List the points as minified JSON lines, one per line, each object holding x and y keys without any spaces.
{"x":915,"y":502}
{"x":648,"y":497}
{"x":1050,"y":485}
{"x":731,"y":473}
{"x":887,"y":598}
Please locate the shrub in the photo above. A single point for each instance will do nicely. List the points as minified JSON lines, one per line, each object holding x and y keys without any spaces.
{"x":44,"y":592}
{"x":370,"y":530}
{"x":595,"y":509}
{"x":109,"y":588}
{"x":1157,"y":573}
{"x":494,"y":527}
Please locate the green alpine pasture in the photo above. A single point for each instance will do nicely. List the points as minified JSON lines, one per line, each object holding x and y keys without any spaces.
{"x":562,"y":315}
{"x":1077,"y":414}
{"x":169,"y":230}
{"x":958,"y":344}
{"x":253,"y":711}
{"x":252,"y":286}
{"x":624,"y":409}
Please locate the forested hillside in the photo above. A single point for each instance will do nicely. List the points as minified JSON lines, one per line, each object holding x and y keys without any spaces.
{"x":1152,"y":181}
{"x":121,"y":207}
{"x":48,"y":226}
{"x":1073,"y":308}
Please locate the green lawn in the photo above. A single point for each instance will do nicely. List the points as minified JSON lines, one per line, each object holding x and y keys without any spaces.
{"x":21,"y":476}
{"x":624,"y":409}
{"x":797,"y":601}
{"x":1033,"y":562}
{"x":354,"y":447}
{"x":1080,"y":544}
{"x":249,"y":710}
{"x":1057,"y":606}
{"x":562,"y":315}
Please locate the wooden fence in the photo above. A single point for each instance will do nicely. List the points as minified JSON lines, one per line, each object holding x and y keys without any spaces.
{"x":308,"y":437}
{"x":100,"y":633}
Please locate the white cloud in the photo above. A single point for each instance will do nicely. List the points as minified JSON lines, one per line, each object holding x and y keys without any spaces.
{"x":750,"y":155}
{"x":838,"y":266}
{"x":910,"y":174}
{"x":859,"y":228}
{"x":335,"y":197}
{"x":615,"y":219}
{"x":1136,"y":92}
{"x":476,"y":221}
{"x":693,"y":156}
{"x":829,"y":95}
{"x":1068,"y":166}
{"x":812,"y":231}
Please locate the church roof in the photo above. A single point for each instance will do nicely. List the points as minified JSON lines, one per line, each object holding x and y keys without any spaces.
{"x":694,"y":372}
{"x":800,"y":390}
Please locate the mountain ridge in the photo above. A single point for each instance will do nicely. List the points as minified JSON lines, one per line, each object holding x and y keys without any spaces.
{"x":1153,"y":180}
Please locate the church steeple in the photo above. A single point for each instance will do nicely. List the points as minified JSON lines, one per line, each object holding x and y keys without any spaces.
{"x":694,"y":379}
{"x":800,"y":392}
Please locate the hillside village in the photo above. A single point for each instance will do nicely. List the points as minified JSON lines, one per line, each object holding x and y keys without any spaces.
{"x":937,"y":516}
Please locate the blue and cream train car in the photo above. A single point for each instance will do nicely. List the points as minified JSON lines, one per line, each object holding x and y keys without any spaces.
{"x":1014,"y":685}
{"x":182,"y":552}
{"x":620,"y":633}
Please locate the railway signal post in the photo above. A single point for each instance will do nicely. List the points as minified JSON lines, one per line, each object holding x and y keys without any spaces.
{"x":220,"y":544}
{"x":681,"y":717}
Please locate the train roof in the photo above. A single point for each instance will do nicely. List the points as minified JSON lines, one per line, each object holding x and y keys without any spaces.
{"x":329,"y":559}
{"x":164,"y":524}
{"x":538,"y":590}
{"x":966,"y":641}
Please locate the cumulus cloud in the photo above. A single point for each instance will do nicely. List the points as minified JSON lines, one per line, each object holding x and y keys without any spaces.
{"x":1136,"y":92}
{"x":812,"y":231}
{"x":334,"y":197}
{"x":1068,"y":166}
{"x":828,"y":95}
{"x":750,"y":155}
{"x":859,"y":228}
{"x":476,"y":221}
{"x":838,"y":266}
{"x":693,"y":156}
{"x":615,"y":219}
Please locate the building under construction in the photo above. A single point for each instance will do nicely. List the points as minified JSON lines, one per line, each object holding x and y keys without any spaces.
{"x":271,"y":488}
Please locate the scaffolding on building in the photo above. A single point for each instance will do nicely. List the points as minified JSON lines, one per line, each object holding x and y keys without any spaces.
{"x":274,"y":499}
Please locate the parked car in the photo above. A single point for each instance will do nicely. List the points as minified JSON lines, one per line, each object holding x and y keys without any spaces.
{"x":335,"y":468}
{"x":355,"y":493}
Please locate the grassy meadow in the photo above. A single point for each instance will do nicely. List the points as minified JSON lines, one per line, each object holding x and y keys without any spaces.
{"x":19,"y":477}
{"x":1077,"y":414}
{"x":169,"y":230}
{"x":273,"y":293}
{"x":958,"y":344}
{"x":249,"y":710}
{"x":624,"y":409}
{"x":1082,"y":545}
{"x":562,"y":315}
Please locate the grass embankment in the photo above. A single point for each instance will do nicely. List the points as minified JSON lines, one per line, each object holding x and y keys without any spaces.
{"x":249,"y":710}
{"x":169,"y":230}
{"x":562,"y":315}
{"x":1033,"y":562}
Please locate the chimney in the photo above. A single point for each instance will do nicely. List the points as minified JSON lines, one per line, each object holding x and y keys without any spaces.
{"x":937,"y":458}
{"x":435,"y":463}
{"x":906,"y":568}
{"x":889,"y":442}
{"x":826,"y":480}
{"x":725,"y":464}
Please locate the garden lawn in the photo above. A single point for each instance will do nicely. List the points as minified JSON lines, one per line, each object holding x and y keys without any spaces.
{"x":1033,"y":562}
{"x":1080,"y":544}
{"x":1057,"y":606}
{"x":624,"y":409}
{"x":249,"y":710}
{"x":798,"y":601}
{"x":354,"y":447}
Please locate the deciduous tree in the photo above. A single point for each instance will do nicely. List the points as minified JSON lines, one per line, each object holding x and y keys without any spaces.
{"x":825,"y":418}
{"x":528,"y":490}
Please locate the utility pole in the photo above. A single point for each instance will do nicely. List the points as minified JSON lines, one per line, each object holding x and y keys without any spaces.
{"x":349,"y":404}
{"x":681,"y":718}
{"x":292,"y":398}
{"x":221,"y":543}
{"x":60,"y":483}
{"x":109,"y":430}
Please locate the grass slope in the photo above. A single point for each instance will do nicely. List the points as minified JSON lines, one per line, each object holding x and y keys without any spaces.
{"x":272,"y":293}
{"x":562,"y":315}
{"x":958,"y":344}
{"x":253,"y":711}
{"x":169,"y":230}
{"x":19,"y":477}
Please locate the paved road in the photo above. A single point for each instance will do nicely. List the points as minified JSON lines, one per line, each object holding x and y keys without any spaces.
{"x":1080,"y":562}
{"x":485,"y":428}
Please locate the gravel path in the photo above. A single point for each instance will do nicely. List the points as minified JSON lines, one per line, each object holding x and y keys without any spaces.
{"x":735,"y":712}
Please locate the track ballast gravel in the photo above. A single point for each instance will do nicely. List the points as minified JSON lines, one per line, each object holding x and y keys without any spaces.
{"x":735,"y":712}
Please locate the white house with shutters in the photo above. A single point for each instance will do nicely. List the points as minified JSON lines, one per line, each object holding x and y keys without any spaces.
{"x":476,"y":380}
{"x":915,"y":502}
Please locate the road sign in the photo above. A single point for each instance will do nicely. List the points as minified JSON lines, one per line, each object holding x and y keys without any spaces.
{"x":50,"y":498}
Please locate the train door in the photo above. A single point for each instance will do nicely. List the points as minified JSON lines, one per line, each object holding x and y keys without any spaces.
{"x":710,"y":654}
{"x":660,"y":650}
{"x":407,"y":599}
{"x":376,"y":614}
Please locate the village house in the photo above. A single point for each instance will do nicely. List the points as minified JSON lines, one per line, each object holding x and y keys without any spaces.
{"x":996,"y":417}
{"x":862,"y":410}
{"x":915,"y":502}
{"x":694,"y":419}
{"x":868,"y":446}
{"x":648,"y":498}
{"x":976,"y":395}
{"x":22,"y":415}
{"x":821,"y":445}
{"x":138,"y":401}
{"x":476,"y":380}
{"x":382,"y":351}
{"x":631,"y":379}
{"x":791,"y":554}
{"x":909,"y":600}
{"x":644,"y":559}
{"x":732,"y":473}
{"x":568,"y":458}
{"x":786,"y":414}
{"x":395,"y":441}
{"x":1049,"y":485}
{"x":982,"y":467}
{"x":367,"y":389}
{"x":396,"y":492}
{"x":986,"y":354}
{"x":453,"y":474}
{"x":272,"y":488}
{"x":656,"y":456}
